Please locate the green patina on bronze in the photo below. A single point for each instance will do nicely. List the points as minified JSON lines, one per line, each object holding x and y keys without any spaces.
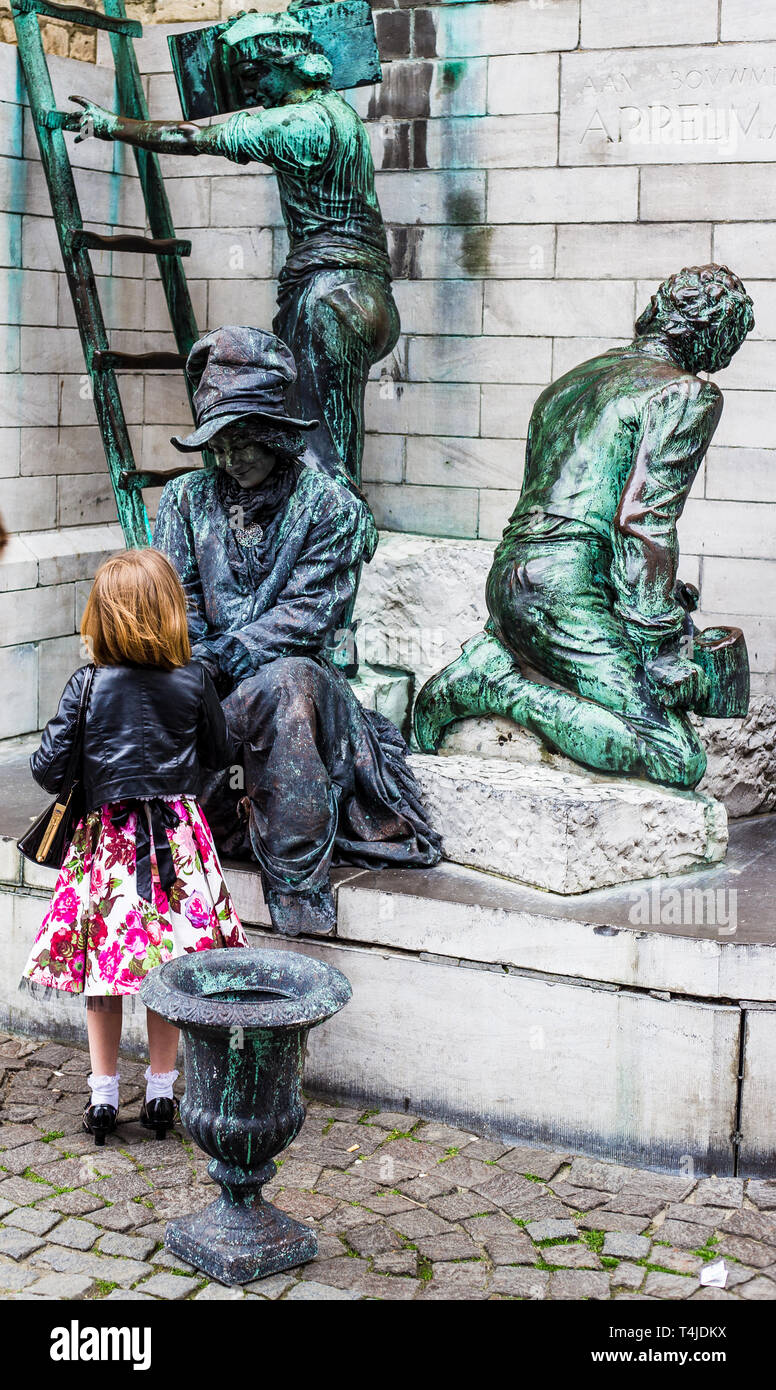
{"x":342,"y":31}
{"x":590,"y":642}
{"x":245,"y":1016}
{"x":336,"y":310}
{"x":76,"y":242}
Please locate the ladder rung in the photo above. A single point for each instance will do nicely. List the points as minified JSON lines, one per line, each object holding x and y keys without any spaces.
{"x":108,"y":361}
{"x":126,"y":241}
{"x":74,"y":14}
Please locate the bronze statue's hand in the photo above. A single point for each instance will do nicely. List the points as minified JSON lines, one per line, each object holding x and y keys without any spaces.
{"x":95,"y":120}
{"x":679,"y":683}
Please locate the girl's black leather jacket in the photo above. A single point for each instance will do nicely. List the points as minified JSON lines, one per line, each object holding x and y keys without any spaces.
{"x":148,"y":733}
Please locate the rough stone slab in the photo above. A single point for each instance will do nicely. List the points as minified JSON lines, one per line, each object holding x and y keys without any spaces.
{"x":741,"y":769}
{"x":172,"y":1286}
{"x":61,"y":1286}
{"x":578,"y":1256}
{"x":76,"y":1235}
{"x":626,"y":1246}
{"x":18,"y":1244}
{"x":566,"y":832}
{"x":531,"y":1284}
{"x":310,"y":1291}
{"x":759,"y":1288}
{"x":32,"y":1220}
{"x":550,"y":1230}
{"x":628,"y":1276}
{"x":670,"y":1285}
{"x":579,"y":1283}
{"x":763,"y":1194}
{"x":686,"y":1235}
{"x":134,"y":1247}
{"x":721,"y":1192}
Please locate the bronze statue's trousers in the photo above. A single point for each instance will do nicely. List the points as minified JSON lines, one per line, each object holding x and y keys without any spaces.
{"x":338,"y":323}
{"x":552,"y":603}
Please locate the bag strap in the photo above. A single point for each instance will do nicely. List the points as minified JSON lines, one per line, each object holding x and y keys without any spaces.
{"x":78,"y":738}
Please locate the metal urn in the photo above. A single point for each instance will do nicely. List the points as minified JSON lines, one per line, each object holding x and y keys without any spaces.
{"x":245,"y":1016}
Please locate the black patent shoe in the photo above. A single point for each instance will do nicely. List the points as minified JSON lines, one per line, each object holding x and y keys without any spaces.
{"x":100,"y":1120}
{"x":159,"y":1115}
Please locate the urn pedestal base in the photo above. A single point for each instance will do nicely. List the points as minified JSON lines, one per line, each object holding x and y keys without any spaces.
{"x":236,"y":1244}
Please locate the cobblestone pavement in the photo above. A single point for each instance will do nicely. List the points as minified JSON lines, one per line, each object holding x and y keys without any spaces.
{"x":404,"y":1208}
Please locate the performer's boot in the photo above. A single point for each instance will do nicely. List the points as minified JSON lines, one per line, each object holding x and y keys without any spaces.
{"x":296,"y":914}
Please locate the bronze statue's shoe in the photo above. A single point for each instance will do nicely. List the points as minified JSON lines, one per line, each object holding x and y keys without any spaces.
{"x":466,"y":688}
{"x":308,"y":914}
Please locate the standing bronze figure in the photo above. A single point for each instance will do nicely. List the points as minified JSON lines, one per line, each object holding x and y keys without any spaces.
{"x":336,"y":310}
{"x":590,"y":643}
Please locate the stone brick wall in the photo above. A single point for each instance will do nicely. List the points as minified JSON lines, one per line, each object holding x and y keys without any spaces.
{"x":542,"y":164}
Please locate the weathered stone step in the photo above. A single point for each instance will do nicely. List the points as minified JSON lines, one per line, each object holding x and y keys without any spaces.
{"x":566,"y":832}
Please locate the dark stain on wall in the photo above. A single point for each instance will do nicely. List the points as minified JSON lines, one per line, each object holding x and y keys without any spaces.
{"x":461,"y":206}
{"x":419,"y":157}
{"x":403,"y":92}
{"x":475,"y":250}
{"x":393,"y":34}
{"x":425,"y":34}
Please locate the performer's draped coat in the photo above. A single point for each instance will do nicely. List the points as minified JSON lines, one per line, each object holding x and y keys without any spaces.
{"x":268,"y":574}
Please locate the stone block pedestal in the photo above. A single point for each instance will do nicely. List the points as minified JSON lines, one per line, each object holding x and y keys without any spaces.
{"x":566,"y":832}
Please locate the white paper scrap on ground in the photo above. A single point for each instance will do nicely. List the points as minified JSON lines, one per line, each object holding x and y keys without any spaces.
{"x":715,"y":1275}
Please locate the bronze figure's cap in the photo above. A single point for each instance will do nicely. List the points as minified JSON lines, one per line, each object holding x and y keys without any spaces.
{"x":237,"y":372}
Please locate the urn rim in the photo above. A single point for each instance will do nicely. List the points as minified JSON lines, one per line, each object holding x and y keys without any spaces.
{"x":283,"y":989}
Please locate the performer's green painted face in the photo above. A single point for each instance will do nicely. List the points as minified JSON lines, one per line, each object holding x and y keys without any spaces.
{"x":245,"y":458}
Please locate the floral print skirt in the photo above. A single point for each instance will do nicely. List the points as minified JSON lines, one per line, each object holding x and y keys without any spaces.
{"x":99,"y":936}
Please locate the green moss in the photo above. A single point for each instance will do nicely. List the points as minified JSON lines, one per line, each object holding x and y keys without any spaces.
{"x":594,"y":1240}
{"x":52,"y":1134}
{"x":708,"y":1251}
{"x":425,"y":1269}
{"x":104,"y":1286}
{"x":449,"y":1153}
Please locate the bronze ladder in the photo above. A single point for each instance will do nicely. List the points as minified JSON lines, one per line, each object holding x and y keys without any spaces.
{"x":102,"y":362}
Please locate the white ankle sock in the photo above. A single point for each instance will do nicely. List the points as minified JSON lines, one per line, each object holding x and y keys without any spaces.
{"x":159,"y":1084}
{"x":105,"y":1090}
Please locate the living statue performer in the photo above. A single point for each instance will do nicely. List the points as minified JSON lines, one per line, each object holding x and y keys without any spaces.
{"x":268,"y":551}
{"x":336,"y":310}
{"x":590,"y":643}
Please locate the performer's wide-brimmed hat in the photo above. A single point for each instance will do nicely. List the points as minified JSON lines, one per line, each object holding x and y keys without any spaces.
{"x":237,"y":372}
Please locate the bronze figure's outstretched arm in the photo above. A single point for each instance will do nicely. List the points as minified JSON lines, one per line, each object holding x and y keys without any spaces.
{"x":163,"y":137}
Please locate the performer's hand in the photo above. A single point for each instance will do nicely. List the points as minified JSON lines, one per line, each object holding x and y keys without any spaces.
{"x":95,"y":120}
{"x":678,"y":682}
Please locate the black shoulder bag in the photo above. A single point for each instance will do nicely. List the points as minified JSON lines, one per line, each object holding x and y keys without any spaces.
{"x":48,"y":840}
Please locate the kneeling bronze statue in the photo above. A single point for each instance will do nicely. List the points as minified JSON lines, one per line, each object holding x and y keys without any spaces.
{"x":590,"y":642}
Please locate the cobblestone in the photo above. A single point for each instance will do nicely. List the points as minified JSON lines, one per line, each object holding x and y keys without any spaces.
{"x":171,"y":1286}
{"x":440,"y":1215}
{"x":626,"y":1246}
{"x":77,"y":1235}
